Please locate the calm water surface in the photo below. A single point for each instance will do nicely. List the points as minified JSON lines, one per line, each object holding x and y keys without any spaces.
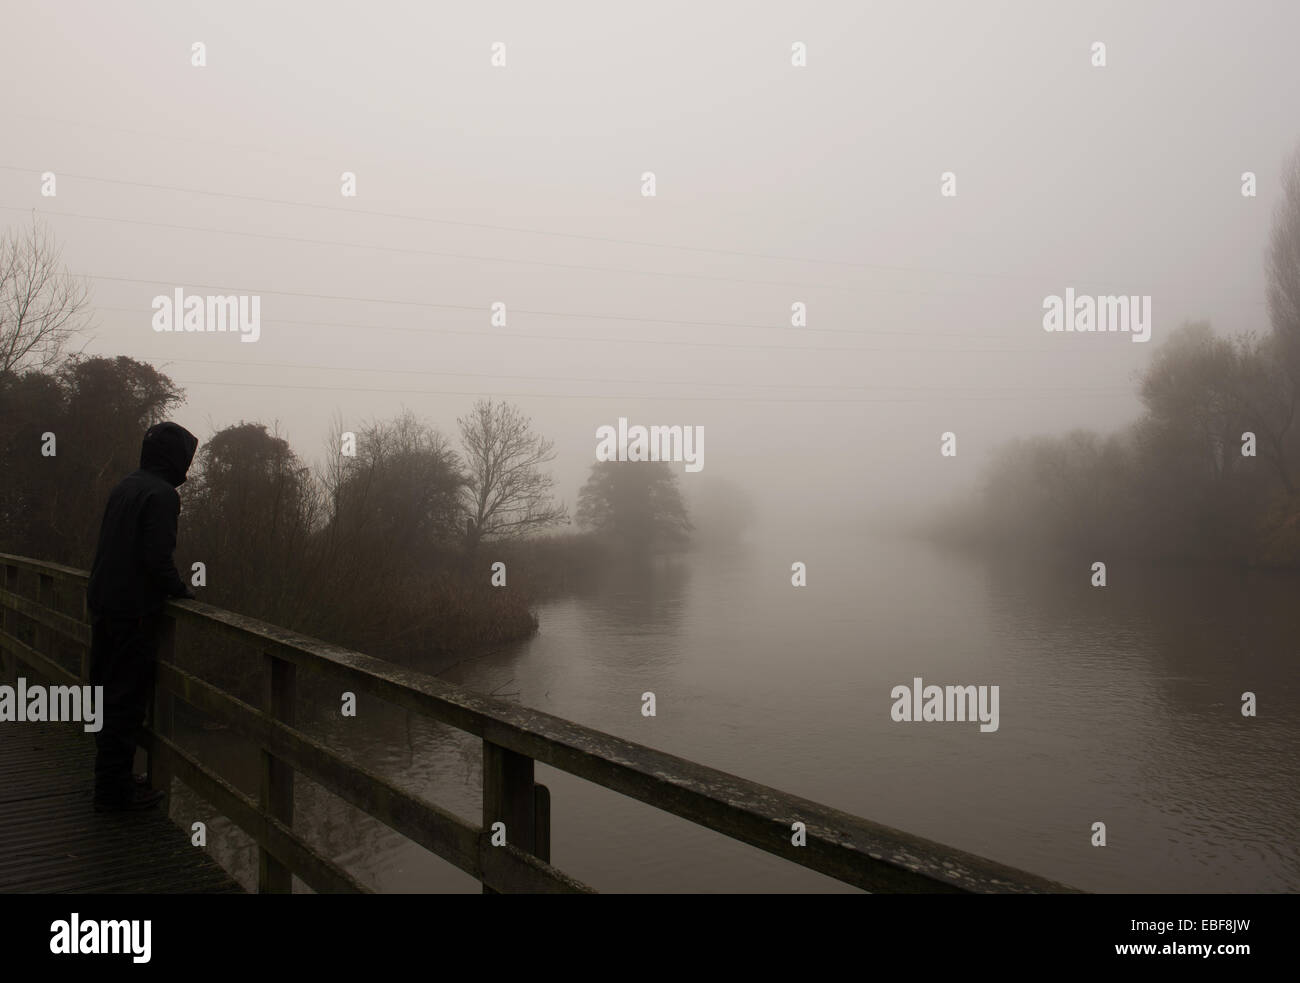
{"x":1119,"y":705}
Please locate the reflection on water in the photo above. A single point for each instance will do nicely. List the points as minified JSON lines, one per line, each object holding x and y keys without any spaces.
{"x":1119,"y":705}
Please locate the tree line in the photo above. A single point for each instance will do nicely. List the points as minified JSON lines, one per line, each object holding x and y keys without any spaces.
{"x":389,"y":549}
{"x":1207,"y":473}
{"x":387,"y":545}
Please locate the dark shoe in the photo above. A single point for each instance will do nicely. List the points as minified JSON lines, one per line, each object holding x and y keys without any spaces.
{"x":137,"y":800}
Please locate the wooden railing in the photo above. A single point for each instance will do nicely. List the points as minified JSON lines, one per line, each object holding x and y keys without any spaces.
{"x":38,"y":626}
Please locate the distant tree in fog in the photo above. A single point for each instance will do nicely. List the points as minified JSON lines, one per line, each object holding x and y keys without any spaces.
{"x":506,"y":494}
{"x":1202,"y":393}
{"x":1176,"y":482}
{"x":635,"y":503}
{"x":1283,"y":270}
{"x":1268,"y":399}
{"x":1181,"y":481}
{"x":41,"y":304}
{"x":1193,"y":410}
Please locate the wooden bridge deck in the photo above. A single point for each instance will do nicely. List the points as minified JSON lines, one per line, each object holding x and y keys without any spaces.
{"x":53,"y":841}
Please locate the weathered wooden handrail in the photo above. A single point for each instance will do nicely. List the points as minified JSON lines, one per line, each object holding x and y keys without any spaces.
{"x":841,"y":845}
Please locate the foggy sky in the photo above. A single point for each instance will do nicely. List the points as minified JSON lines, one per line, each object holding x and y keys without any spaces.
{"x":775,"y":184}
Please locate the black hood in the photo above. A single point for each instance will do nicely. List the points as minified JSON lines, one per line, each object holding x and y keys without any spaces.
{"x":168,"y":449}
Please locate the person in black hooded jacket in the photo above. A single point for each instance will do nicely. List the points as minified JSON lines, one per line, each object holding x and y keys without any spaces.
{"x":132,"y":576}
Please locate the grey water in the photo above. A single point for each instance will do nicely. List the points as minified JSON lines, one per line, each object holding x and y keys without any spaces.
{"x":1119,"y":705}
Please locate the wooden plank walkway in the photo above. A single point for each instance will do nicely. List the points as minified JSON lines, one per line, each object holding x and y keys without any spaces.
{"x":53,"y":841}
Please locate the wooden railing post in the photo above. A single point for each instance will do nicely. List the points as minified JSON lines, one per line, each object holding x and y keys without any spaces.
{"x":9,"y":625}
{"x":279,"y":694}
{"x":164,"y":711}
{"x":542,"y":822}
{"x":85,"y":650}
{"x":511,"y":796}
{"x":42,"y":637}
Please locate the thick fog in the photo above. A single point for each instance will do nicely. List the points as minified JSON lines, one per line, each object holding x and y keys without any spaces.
{"x":775,"y":184}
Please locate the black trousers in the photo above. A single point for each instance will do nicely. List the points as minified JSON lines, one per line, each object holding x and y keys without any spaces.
{"x":123,"y":652}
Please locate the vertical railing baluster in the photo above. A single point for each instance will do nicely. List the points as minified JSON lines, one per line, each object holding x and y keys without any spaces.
{"x":279,"y":695}
{"x":85,"y":649}
{"x":164,"y":713}
{"x":42,"y":637}
{"x":542,"y":822}
{"x":511,"y":796}
{"x":9,"y":625}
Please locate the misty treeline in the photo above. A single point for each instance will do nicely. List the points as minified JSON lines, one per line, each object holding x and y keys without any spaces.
{"x":387,"y":546}
{"x":1208,"y":472}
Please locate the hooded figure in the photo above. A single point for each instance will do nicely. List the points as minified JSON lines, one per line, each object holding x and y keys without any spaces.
{"x":134,"y":572}
{"x":131,"y":578}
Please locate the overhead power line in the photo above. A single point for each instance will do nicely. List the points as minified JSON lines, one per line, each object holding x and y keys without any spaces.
{"x":1044,"y":390}
{"x":709,"y":250}
{"x":585,"y":267}
{"x":617,"y":396}
{"x":495,"y":333}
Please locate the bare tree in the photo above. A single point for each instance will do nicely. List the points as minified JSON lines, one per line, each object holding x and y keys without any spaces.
{"x":1284,"y":268}
{"x":507,"y":494}
{"x":41,"y":304}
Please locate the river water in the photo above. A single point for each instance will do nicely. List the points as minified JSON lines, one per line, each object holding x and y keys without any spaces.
{"x":1119,"y":705}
